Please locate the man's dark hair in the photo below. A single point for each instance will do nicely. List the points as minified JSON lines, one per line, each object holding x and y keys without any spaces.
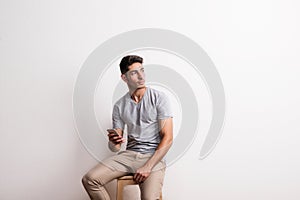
{"x":129,"y":60}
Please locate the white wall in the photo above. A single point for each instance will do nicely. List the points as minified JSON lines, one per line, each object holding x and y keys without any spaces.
{"x":254,"y":45}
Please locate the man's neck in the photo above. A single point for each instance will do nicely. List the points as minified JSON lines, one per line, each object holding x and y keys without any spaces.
{"x":138,"y":94}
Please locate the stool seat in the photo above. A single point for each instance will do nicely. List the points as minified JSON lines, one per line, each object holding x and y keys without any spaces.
{"x":122,"y":182}
{"x":128,"y":177}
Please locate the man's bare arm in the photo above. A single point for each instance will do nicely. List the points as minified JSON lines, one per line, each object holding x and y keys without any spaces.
{"x":166,"y":132}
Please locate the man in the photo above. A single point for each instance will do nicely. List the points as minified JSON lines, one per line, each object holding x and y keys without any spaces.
{"x":148,"y":117}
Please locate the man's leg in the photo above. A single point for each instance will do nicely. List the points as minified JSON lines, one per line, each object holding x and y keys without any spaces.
{"x":152,"y":186}
{"x":96,"y":178}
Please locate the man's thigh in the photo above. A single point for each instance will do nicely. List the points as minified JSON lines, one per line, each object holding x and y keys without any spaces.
{"x":103,"y":174}
{"x":152,"y":186}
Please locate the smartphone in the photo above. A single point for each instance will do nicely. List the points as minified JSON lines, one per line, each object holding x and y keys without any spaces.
{"x":113,"y":131}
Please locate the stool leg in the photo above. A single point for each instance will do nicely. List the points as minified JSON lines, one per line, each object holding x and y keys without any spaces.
{"x":120,"y":187}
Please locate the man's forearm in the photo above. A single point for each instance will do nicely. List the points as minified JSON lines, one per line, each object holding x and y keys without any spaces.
{"x":166,"y":133}
{"x":160,"y":152}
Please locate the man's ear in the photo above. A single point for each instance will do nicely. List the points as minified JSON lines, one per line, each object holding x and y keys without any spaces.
{"x":124,"y":78}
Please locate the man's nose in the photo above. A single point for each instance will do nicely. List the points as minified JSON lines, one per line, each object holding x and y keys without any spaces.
{"x":140,"y":75}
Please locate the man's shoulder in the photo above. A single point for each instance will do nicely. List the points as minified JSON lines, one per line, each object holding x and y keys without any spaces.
{"x":156,"y":93}
{"x":122,"y":100}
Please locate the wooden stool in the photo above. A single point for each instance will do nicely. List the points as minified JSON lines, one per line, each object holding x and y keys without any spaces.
{"x":122,"y":182}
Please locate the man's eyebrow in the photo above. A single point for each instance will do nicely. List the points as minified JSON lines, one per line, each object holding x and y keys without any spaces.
{"x":136,"y":69}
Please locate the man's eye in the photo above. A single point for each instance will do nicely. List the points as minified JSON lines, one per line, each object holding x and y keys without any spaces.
{"x":133,"y":73}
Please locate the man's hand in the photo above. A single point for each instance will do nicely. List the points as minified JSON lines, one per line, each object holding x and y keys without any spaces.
{"x":142,"y":174}
{"x":115,"y":136}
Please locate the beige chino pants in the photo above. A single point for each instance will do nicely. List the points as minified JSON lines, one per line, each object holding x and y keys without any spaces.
{"x":124,"y":163}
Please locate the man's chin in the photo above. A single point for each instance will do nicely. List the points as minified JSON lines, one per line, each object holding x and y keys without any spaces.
{"x":140,"y":87}
{"x":137,"y":87}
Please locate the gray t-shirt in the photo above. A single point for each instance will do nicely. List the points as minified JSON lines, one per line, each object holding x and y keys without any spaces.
{"x":142,"y":119}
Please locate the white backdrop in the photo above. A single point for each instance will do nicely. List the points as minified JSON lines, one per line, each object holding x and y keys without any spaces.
{"x":255,"y":46}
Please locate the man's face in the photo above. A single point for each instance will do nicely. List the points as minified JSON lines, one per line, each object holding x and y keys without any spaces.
{"x":135,"y":77}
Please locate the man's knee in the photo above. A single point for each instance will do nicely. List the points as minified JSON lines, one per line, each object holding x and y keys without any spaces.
{"x":89,"y":179}
{"x":86,"y":179}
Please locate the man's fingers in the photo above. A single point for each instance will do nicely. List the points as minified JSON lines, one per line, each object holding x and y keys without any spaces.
{"x":111,"y":135}
{"x":115,"y":139}
{"x":136,"y":177}
{"x":139,"y":177}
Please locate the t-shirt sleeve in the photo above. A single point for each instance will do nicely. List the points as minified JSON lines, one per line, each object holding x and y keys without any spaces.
{"x":163,"y":107}
{"x":116,"y":118}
